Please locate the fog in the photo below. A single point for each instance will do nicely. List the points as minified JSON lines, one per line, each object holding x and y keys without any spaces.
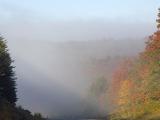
{"x":53,"y":59}
{"x":74,"y":30}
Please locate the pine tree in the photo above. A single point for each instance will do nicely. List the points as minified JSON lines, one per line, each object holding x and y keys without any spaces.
{"x":7,"y":75}
{"x":158,"y":20}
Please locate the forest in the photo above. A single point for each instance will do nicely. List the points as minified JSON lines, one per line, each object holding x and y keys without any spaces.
{"x":135,"y":86}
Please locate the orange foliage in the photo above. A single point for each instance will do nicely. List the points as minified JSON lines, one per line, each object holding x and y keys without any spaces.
{"x":120,"y":74}
{"x":136,"y":85}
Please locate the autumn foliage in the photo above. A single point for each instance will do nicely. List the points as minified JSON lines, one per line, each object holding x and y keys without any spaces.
{"x":135,"y":88}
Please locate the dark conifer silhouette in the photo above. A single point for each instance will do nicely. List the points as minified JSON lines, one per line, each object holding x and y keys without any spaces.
{"x":7,"y":75}
{"x":158,"y":20}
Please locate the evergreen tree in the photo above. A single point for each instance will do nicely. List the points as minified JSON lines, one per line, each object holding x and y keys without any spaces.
{"x":158,"y":20}
{"x":7,"y":75}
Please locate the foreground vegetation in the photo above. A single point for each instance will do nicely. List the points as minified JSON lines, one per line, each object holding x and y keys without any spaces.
{"x":11,"y":112}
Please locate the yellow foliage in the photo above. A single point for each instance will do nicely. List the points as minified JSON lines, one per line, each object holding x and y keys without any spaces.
{"x":124,"y":93}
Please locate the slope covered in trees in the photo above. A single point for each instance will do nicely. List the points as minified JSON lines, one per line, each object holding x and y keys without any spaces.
{"x":136,"y":86}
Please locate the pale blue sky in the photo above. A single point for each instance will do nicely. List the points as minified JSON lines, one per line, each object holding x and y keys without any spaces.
{"x":63,"y":20}
{"x":138,"y":10}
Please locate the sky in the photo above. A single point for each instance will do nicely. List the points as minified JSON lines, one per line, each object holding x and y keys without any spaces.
{"x":139,"y":10}
{"x":33,"y":29}
{"x":65,"y":20}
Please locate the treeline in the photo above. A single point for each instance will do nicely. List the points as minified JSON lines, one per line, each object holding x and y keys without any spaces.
{"x":10,"y":112}
{"x":8,"y":97}
{"x":135,"y":88}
